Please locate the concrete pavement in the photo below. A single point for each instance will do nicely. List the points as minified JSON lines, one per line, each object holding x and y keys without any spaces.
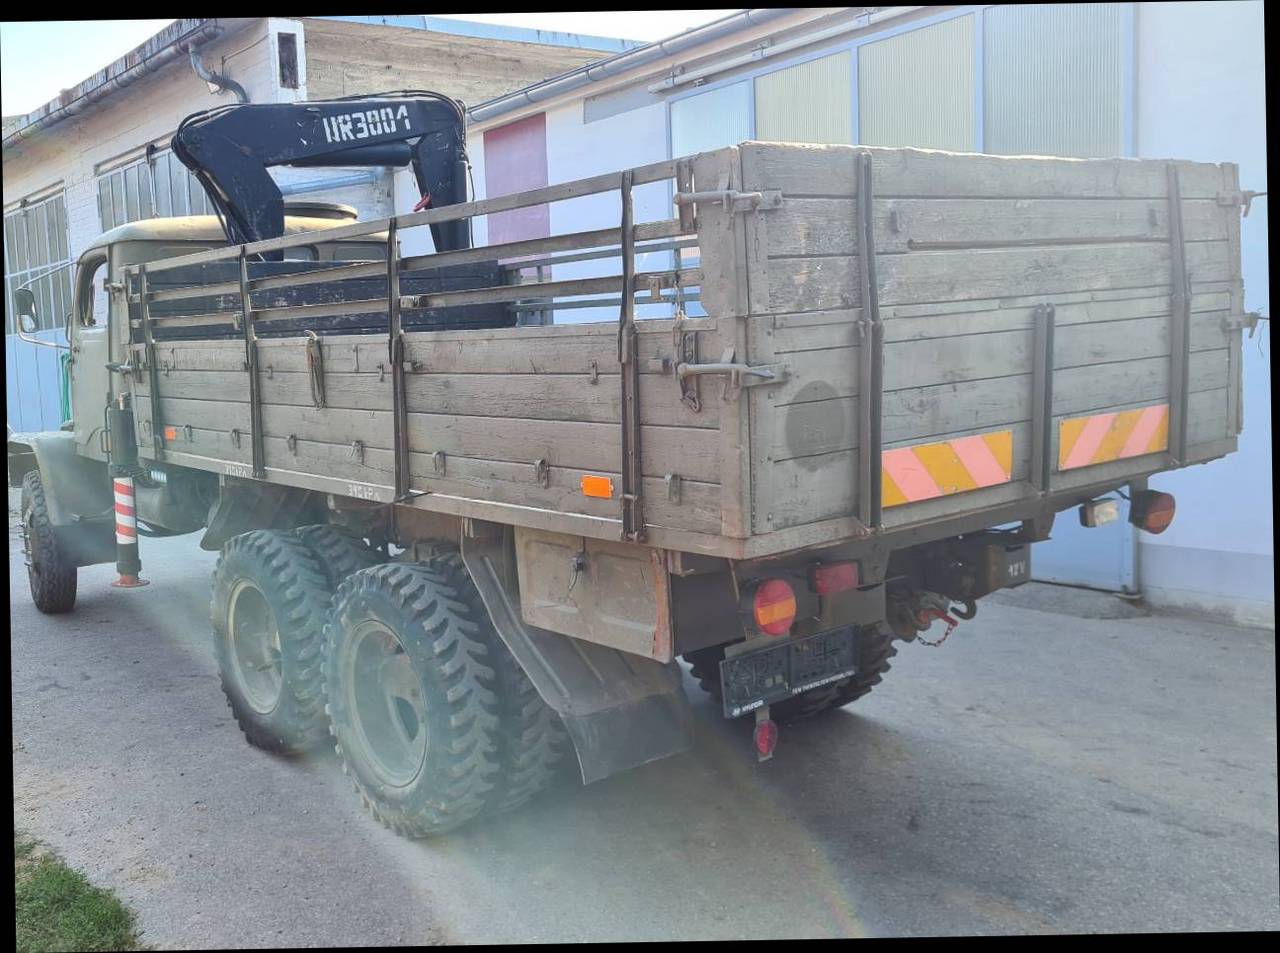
{"x":1043,"y":771}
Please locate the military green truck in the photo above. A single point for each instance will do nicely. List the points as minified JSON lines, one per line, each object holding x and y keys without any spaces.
{"x":468,"y":544}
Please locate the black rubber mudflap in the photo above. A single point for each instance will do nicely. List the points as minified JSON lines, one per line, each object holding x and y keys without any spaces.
{"x":621,"y":710}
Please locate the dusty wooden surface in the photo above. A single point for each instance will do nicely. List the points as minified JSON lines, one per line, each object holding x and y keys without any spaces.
{"x":966,"y":248}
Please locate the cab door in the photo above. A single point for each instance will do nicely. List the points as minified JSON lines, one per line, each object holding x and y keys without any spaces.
{"x":90,"y":351}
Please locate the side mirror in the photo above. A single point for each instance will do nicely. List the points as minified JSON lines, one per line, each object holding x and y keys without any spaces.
{"x":26,"y":306}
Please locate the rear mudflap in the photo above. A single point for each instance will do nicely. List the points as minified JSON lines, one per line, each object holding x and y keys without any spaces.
{"x":620,"y":709}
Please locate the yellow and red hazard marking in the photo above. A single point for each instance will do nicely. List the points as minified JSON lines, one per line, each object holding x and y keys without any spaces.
{"x":1101,"y":438}
{"x":930,"y":470}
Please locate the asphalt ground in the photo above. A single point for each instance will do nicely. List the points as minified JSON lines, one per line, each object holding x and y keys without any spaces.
{"x":1064,"y":763}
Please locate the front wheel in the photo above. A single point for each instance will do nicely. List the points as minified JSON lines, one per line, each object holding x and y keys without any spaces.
{"x":50,"y":575}
{"x":270,"y":600}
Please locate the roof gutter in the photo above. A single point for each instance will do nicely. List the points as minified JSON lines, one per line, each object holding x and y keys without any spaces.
{"x":612,"y":66}
{"x":124,"y":72}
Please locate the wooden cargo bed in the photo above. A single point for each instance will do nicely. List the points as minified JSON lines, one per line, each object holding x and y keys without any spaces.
{"x":1031,"y":331}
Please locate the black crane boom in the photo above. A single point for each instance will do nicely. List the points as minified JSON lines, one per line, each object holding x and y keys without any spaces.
{"x":229,"y":149}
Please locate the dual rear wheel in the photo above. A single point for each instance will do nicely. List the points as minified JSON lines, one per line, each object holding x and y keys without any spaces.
{"x":432,"y":718}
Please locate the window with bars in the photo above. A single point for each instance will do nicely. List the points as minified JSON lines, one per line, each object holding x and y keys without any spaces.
{"x":158,"y":186}
{"x":36,"y":254}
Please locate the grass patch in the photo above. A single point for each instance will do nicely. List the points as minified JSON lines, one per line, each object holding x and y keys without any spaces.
{"x":56,"y":908}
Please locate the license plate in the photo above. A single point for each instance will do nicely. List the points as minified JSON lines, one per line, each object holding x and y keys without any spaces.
{"x":770,"y":674}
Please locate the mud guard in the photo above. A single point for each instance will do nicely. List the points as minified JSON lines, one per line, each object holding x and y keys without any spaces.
{"x":621,"y":710}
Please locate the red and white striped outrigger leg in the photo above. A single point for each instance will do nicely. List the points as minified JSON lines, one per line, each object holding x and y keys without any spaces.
{"x":128,"y":563}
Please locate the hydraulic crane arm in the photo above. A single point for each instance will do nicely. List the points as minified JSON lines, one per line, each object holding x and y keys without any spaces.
{"x":230,"y":149}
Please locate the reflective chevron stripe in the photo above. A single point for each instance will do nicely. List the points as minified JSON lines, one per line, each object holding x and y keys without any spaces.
{"x":1100,"y":438}
{"x":929,"y":470}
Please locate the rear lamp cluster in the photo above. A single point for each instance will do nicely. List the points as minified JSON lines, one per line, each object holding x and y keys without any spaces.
{"x":773,"y":605}
{"x":1152,"y":510}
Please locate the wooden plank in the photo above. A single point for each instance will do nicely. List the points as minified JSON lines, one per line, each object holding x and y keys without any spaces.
{"x":945,"y":409}
{"x":1103,"y":387}
{"x":585,"y":446}
{"x":828,"y":170}
{"x":805,"y":228}
{"x":698,"y":509}
{"x":539,"y":396}
{"x":654,"y":172}
{"x":824,"y":284}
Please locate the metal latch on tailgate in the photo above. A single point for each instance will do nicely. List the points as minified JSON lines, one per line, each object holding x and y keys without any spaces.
{"x":733,"y":200}
{"x":737,"y":375}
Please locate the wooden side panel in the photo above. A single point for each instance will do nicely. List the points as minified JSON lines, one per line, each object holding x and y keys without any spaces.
{"x":966,"y":247}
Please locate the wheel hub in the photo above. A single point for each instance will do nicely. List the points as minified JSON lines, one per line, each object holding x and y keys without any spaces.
{"x":255,"y":647}
{"x":386,"y":701}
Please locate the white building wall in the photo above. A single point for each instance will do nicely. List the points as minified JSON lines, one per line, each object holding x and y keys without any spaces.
{"x":148,"y":111}
{"x":1201,"y":96}
{"x":576,"y":150}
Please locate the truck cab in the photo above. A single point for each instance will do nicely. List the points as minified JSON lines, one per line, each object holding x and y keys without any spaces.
{"x":72,"y":461}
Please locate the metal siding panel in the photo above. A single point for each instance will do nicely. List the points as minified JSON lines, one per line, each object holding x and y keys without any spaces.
{"x":917,"y":89}
{"x":808,"y":102}
{"x":711,"y":120}
{"x":1054,"y":79}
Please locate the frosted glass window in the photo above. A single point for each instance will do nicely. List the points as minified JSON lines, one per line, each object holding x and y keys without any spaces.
{"x":711,"y":120}
{"x":808,"y":102}
{"x":1054,"y":79}
{"x":916,"y":89}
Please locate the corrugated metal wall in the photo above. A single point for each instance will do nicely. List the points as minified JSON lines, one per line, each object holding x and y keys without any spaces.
{"x":711,"y":120}
{"x":1054,"y":79}
{"x":916,"y":89}
{"x":809,"y":102}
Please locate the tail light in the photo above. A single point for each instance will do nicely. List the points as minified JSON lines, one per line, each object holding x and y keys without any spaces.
{"x":774,"y":607}
{"x":1152,"y":510}
{"x":827,"y":578}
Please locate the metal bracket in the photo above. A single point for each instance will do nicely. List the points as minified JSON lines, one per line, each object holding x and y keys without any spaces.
{"x":291,"y":442}
{"x":542,"y":473}
{"x":438,"y":461}
{"x":187,"y":433}
{"x":673,"y":487}
{"x":1243,"y":200}
{"x":315,"y":368}
{"x":686,"y":345}
{"x":235,"y":437}
{"x":1238,"y":322}
{"x":357,"y":451}
{"x":593,"y":373}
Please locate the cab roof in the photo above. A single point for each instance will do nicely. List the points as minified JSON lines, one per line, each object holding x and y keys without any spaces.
{"x":206,"y":229}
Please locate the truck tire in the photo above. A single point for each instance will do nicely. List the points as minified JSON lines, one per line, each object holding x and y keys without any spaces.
{"x":531,"y":740}
{"x":269,"y":606}
{"x":876,"y":648}
{"x":51,"y":577}
{"x":409,"y":688}
{"x":341,"y":552}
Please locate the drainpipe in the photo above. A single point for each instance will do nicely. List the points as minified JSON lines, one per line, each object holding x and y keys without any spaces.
{"x":216,"y":81}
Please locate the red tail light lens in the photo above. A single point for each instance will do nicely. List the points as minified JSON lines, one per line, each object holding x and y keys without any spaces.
{"x":833,"y":577}
{"x":774,"y":607}
{"x":1152,"y":511}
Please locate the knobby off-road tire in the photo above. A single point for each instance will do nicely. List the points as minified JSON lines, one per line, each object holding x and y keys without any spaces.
{"x":51,"y":576}
{"x":340,"y":551}
{"x":531,"y":741}
{"x":875,"y":649}
{"x":409,"y":685}
{"x":269,"y":607}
